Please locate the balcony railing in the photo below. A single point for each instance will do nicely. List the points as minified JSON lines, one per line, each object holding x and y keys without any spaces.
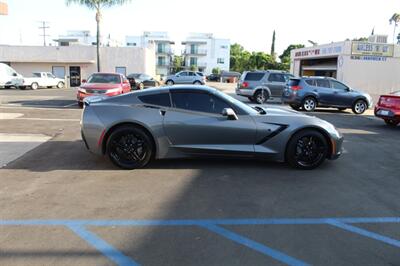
{"x":165,"y":51}
{"x":195,"y":52}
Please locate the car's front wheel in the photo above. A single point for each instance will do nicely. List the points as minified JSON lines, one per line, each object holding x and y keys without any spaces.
{"x":392,"y":123}
{"x":60,"y":85}
{"x":307,"y":149}
{"x":129,"y":147}
{"x":170,"y":82}
{"x":359,"y":107}
{"x":34,"y":86}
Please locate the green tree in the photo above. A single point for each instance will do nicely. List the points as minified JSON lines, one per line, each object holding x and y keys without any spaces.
{"x":216,"y":71}
{"x":98,"y":6}
{"x":285,"y":56}
{"x":193,"y":68}
{"x":273,"y":46}
{"x":236,"y":57}
{"x":395,"y":19}
{"x":177,"y":64}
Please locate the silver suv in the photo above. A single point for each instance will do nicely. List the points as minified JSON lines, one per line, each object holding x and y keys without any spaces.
{"x":259,"y":86}
{"x":186,"y":77}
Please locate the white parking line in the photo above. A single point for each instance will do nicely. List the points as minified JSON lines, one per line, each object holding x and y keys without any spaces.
{"x":48,"y":119}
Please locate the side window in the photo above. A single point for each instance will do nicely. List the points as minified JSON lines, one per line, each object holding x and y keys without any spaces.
{"x":198,"y":102}
{"x":310,"y":82}
{"x":192,"y":74}
{"x":183,"y":74}
{"x":338,"y":85}
{"x":161,"y":99}
{"x":276,"y":77}
{"x":323,"y":83}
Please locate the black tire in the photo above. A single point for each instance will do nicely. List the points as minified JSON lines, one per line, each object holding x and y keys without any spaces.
{"x":342,"y":109}
{"x":307,"y":149}
{"x":197,"y":83}
{"x":22,"y":87}
{"x":295,"y":106}
{"x":129,"y":147}
{"x":60,"y":85}
{"x":261,"y":96}
{"x":7,"y":87}
{"x":34,"y":86}
{"x":391,"y":123}
{"x":359,"y":107}
{"x":141,"y":86}
{"x":309,"y":104}
{"x":80,"y":104}
{"x":169,"y":82}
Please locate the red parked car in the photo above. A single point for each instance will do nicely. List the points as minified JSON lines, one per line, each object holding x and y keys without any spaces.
{"x":388,"y":108}
{"x":109,"y":84}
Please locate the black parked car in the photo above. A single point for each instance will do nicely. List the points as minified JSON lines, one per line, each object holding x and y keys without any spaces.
{"x":214,"y":77}
{"x":139,"y":81}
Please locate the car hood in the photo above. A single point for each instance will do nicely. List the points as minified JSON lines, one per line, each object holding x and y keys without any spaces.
{"x":100,"y":86}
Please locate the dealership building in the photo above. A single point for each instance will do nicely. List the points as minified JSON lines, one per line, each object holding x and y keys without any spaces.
{"x":372,"y":66}
{"x":76,"y":62}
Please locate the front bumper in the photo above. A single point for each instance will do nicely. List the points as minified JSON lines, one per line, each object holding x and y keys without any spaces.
{"x":336,"y":147}
{"x":81,"y":96}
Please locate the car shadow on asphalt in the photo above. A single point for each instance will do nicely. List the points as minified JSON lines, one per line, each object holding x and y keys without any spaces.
{"x":51,"y":103}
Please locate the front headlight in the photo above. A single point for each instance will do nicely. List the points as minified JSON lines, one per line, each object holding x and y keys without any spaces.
{"x":113,"y":90}
{"x":82,"y":90}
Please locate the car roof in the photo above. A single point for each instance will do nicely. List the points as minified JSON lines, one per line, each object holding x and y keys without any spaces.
{"x":178,"y":87}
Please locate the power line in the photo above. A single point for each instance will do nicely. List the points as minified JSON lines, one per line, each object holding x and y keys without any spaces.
{"x":44,"y":26}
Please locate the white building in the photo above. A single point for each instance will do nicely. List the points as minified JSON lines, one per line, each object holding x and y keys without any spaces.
{"x":205,"y":52}
{"x":163,"y":48}
{"x":84,"y":37}
{"x":77,"y":62}
{"x":371,"y":66}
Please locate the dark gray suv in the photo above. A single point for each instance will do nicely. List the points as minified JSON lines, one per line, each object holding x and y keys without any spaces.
{"x":259,"y":86}
{"x":311,"y":92}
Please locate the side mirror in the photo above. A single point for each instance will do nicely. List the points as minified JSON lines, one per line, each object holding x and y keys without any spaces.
{"x":14,"y":74}
{"x":84,"y":80}
{"x":230,"y":114}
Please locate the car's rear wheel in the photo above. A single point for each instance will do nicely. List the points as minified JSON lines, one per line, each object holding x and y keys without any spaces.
{"x":307,"y":149}
{"x":34,"y":86}
{"x":129,"y":147}
{"x":261,"y":96}
{"x":60,"y":85}
{"x":309,"y":104}
{"x":359,"y":107}
{"x":295,"y":107}
{"x":391,"y":122}
{"x":170,"y":82}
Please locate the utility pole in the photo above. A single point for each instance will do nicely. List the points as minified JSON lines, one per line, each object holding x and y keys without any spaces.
{"x":44,"y":26}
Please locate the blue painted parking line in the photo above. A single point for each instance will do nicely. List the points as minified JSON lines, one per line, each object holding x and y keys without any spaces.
{"x":213,"y":225}
{"x":279,"y":256}
{"x":106,"y":249}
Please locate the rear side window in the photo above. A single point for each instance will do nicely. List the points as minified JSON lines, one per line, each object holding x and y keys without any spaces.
{"x":252,"y":76}
{"x":276,"y":77}
{"x":161,"y":99}
{"x":338,"y":85}
{"x":323,"y":83}
{"x":293,"y":82}
{"x":310,"y":82}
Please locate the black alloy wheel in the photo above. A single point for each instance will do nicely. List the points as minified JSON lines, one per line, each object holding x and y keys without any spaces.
{"x":307,"y":149}
{"x":130,"y":147}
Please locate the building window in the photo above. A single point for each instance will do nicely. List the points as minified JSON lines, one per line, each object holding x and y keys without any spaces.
{"x":161,"y":48}
{"x":224,"y":46}
{"x":120,"y":70}
{"x":161,"y":61}
{"x":58,"y":71}
{"x":131,"y":44}
{"x":221,"y":60}
{"x":193,"y":61}
{"x":193,"y":48}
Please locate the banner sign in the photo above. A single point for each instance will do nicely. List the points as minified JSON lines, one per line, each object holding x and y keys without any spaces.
{"x":3,"y":8}
{"x":373,"y":49}
{"x":329,"y":50}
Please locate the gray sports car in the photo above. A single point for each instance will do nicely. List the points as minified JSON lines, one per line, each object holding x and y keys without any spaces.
{"x":186,"y":121}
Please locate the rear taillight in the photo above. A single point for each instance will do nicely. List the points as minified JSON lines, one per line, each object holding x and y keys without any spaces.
{"x":296,"y":88}
{"x":245,"y":85}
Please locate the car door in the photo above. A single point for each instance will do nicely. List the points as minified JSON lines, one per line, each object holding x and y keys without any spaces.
{"x":51,"y":80}
{"x":323,"y":90}
{"x":182,"y":77}
{"x":195,"y":125}
{"x":276,"y":83}
{"x":341,"y":94}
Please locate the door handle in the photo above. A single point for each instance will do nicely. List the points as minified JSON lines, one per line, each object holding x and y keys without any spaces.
{"x":163,"y":112}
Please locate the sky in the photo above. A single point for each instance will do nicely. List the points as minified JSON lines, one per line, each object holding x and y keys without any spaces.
{"x":249,"y":23}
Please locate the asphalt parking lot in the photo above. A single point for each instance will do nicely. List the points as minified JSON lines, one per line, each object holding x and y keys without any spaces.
{"x":62,"y":205}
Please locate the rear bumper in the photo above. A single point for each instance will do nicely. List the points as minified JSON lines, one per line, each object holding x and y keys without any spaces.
{"x":244,"y":92}
{"x":292,"y":98}
{"x":387,"y":114}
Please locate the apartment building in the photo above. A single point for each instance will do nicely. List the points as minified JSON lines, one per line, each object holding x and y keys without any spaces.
{"x":163,"y":49}
{"x":205,"y":52}
{"x":84,"y":37}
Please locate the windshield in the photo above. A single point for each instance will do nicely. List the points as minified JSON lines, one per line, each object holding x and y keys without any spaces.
{"x":37,"y":75}
{"x":135,"y":76}
{"x":246,"y":108}
{"x":104,"y":78}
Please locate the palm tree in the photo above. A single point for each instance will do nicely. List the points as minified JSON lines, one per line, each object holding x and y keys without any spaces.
{"x":97,"y":5}
{"x":395,"y":19}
